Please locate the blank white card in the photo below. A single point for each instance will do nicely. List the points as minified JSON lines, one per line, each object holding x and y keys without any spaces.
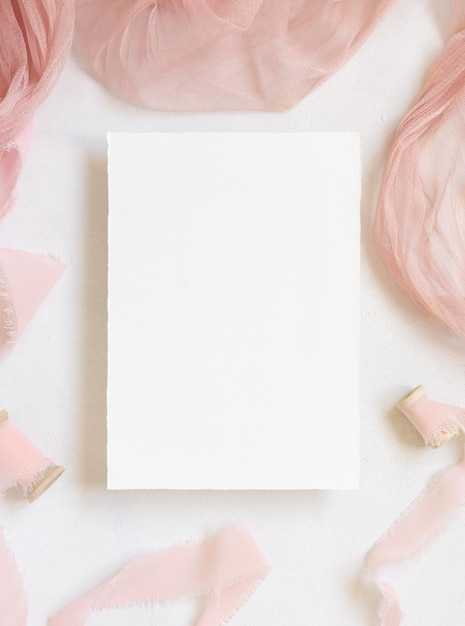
{"x":233,"y":305}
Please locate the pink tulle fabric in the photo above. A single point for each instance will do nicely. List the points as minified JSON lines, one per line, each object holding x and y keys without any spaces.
{"x":420,"y":220}
{"x":35,"y":38}
{"x":225,"y":569}
{"x":221,"y":54}
{"x":11,"y":162}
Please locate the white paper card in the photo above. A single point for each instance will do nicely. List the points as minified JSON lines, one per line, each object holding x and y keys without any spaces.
{"x":233,"y":332}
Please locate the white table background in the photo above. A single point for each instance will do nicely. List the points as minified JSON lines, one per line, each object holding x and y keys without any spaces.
{"x":53,"y":383}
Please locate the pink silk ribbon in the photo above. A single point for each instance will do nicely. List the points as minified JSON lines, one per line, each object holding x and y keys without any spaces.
{"x":226,"y":568}
{"x":426,"y":516}
{"x":25,"y":280}
{"x":13,"y":603}
{"x":421,"y":522}
{"x":204,"y":55}
{"x":419,"y":226}
{"x":11,"y":163}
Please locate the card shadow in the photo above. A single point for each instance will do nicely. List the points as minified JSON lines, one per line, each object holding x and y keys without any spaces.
{"x":93,"y":410}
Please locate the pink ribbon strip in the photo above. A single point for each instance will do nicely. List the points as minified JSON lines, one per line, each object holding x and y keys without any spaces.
{"x":11,"y":164}
{"x":422,"y":520}
{"x":425,"y":517}
{"x":226,"y":567}
{"x":25,"y":280}
{"x":13,"y":603}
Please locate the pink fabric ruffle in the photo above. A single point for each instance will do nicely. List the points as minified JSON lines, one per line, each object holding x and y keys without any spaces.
{"x":204,"y":55}
{"x":420,"y":220}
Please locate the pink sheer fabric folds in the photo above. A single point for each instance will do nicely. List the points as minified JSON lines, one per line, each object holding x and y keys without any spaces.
{"x":12,"y":158}
{"x":221,"y":54}
{"x":420,"y":220}
{"x":35,"y":38}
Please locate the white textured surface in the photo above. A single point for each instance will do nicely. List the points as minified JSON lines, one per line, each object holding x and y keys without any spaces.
{"x":54,"y":381}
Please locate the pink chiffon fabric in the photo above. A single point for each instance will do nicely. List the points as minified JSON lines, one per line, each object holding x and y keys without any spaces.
{"x":12,"y":158}
{"x":35,"y":39}
{"x":204,"y":55}
{"x":420,"y":220}
{"x":225,"y":569}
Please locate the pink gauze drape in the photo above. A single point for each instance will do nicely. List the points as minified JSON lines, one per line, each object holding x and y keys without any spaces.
{"x":220,"y":54}
{"x":171,"y":54}
{"x":225,"y":569}
{"x":35,"y":38}
{"x":420,"y":220}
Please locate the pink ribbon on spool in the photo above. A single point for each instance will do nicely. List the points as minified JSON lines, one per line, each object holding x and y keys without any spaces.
{"x":226,"y":568}
{"x":22,"y":463}
{"x":13,"y":603}
{"x":437,"y":423}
